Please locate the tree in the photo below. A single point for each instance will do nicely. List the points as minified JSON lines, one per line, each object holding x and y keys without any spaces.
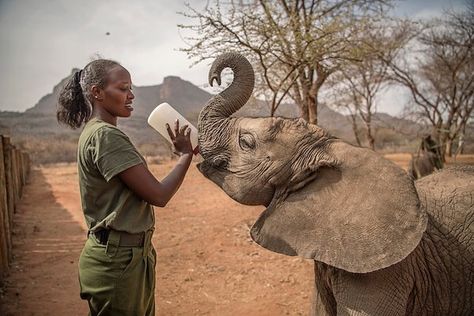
{"x":356,"y":87}
{"x":440,"y":76}
{"x":295,"y":45}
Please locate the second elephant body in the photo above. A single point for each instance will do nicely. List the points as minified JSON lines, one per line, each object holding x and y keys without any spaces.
{"x":437,"y":278}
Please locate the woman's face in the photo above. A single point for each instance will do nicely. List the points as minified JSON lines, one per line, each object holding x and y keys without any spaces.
{"x":117,"y":96}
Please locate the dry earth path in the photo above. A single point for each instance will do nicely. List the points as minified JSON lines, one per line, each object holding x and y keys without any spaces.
{"x":207,"y":265}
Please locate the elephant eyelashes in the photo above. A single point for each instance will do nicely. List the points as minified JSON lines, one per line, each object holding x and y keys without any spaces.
{"x":247,"y":141}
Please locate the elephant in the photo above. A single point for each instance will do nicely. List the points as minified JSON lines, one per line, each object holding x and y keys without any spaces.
{"x":421,"y":164}
{"x":426,"y":160}
{"x":381,"y":243}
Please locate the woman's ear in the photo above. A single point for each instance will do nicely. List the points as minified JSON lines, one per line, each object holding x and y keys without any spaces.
{"x":360,"y":216}
{"x":97,"y":93}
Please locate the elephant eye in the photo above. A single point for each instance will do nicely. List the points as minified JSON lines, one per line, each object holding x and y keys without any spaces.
{"x":247,"y":141}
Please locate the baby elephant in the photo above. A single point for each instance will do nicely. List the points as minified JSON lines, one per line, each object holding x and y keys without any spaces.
{"x":421,"y":165}
{"x":426,"y":160}
{"x":381,"y":244}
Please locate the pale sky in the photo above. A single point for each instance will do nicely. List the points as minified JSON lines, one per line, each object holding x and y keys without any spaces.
{"x":42,"y":40}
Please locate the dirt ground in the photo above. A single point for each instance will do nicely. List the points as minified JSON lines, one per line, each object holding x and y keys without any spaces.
{"x":207,"y":264}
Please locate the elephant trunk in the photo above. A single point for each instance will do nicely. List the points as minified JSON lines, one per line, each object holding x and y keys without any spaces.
{"x":213,"y":117}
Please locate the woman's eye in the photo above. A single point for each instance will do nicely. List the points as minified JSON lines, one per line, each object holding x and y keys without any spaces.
{"x":247,"y":141}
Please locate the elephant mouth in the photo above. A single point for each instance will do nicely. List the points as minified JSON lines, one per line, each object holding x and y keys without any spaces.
{"x":243,"y":195}
{"x":216,"y":175}
{"x":203,"y":168}
{"x":210,"y":171}
{"x":217,"y":165}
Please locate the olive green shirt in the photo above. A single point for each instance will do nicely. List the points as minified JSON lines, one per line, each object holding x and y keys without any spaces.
{"x":103,"y":152}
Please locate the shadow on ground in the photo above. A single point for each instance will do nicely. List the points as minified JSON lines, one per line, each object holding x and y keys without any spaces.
{"x":46,"y":244}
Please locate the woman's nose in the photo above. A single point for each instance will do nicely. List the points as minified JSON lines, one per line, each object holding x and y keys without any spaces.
{"x":131,"y":96}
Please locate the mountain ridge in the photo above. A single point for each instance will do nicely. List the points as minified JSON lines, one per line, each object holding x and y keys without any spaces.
{"x":146,"y":97}
{"x":39,"y":124}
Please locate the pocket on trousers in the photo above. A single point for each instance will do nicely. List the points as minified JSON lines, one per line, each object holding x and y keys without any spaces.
{"x":117,"y":260}
{"x":129,"y":295}
{"x":130,"y":262}
{"x":99,"y":271}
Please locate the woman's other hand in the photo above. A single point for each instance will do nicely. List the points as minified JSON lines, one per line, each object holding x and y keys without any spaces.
{"x":180,"y":138}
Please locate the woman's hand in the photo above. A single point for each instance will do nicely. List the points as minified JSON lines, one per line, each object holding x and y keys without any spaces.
{"x":180,"y":138}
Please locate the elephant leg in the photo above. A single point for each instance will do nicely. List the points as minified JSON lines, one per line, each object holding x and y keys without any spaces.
{"x":382,"y":292}
{"x":323,"y":302}
{"x":319,"y":305}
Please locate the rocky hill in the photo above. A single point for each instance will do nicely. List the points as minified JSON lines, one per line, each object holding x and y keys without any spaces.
{"x":37,"y":130}
{"x":183,"y":95}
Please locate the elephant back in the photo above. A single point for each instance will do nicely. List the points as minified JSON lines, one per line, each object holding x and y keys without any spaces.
{"x":448,"y":197}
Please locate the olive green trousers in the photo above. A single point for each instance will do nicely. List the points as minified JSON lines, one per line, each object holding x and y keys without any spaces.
{"x":118,"y":280}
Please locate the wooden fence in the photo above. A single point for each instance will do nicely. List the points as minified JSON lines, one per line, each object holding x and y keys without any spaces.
{"x":14,"y":170}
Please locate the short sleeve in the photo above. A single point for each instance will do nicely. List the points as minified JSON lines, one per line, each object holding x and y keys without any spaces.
{"x":114,"y":152}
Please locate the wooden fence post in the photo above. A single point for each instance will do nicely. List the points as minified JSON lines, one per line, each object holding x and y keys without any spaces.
{"x":23,"y":168}
{"x":7,"y":154}
{"x":27,"y":164}
{"x":5,"y":233}
{"x":20,"y":171}
{"x":15,"y":169}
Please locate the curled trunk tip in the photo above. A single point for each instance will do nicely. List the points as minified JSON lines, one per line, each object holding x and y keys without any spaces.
{"x":227,"y":102}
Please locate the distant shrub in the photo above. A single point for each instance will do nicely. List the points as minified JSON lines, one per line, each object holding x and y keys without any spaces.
{"x":45,"y":151}
{"x":58,"y":148}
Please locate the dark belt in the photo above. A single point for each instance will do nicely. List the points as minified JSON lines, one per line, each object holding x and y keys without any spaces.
{"x":126,"y":239}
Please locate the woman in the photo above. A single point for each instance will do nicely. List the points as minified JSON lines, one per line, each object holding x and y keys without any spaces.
{"x":117,"y":264}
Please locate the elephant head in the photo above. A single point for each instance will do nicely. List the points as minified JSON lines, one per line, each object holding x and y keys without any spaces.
{"x":325,"y":199}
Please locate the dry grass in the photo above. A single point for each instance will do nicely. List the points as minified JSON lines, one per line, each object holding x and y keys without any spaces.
{"x":403,"y":159}
{"x":461,"y":159}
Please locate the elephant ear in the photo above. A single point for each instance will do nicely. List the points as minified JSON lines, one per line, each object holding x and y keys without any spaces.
{"x":361,"y":216}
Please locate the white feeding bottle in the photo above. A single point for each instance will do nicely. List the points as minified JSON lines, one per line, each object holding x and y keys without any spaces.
{"x":163,"y":114}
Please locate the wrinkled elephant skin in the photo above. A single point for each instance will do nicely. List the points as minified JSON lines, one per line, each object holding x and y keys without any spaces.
{"x":382,"y":244}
